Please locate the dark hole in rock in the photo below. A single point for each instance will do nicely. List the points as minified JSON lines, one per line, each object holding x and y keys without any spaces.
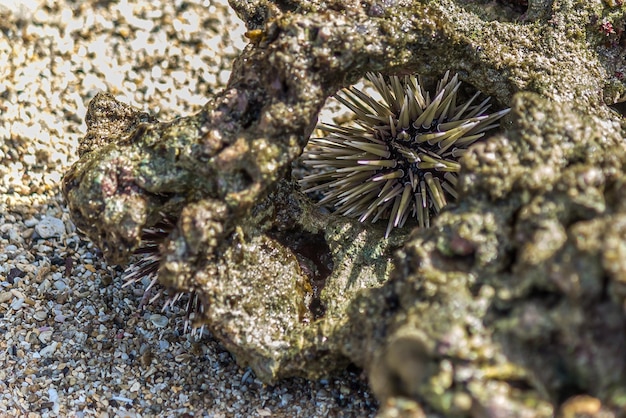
{"x":512,"y":256}
{"x":251,"y":113}
{"x":475,"y":288}
{"x":520,"y":383}
{"x":547,"y":298}
{"x":454,"y":262}
{"x":392,"y":301}
{"x":619,"y":108}
{"x":613,"y":194}
{"x":568,"y":389}
{"x":287,"y":6}
{"x":520,"y":6}
{"x":499,"y":10}
{"x":315,"y":259}
{"x":236,"y":181}
{"x":246,"y":179}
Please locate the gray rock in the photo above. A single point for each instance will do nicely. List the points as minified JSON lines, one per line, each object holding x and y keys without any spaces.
{"x":50,"y":227}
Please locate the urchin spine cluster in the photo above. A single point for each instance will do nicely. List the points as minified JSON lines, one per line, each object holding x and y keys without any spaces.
{"x":400,"y":158}
{"x":147,"y":265}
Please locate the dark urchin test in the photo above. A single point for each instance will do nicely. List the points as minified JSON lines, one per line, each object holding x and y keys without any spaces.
{"x":400,"y":157}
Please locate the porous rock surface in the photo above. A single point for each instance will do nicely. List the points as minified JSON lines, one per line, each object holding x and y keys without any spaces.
{"x":512,"y":304}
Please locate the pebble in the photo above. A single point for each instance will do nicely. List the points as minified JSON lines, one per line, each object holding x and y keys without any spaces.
{"x":5,"y":296}
{"x":159,"y":321}
{"x":50,"y":227}
{"x":48,"y":350}
{"x":43,"y":286}
{"x":40,"y":315}
{"x":45,"y":336}
{"x":53,"y":396}
{"x":14,"y":236}
{"x":60,"y":285}
{"x":31,"y":222}
{"x":17,"y":304}
{"x":264,"y":412}
{"x":121,"y":399}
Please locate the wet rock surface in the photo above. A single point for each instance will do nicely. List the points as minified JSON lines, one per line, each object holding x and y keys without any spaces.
{"x":512,"y":304}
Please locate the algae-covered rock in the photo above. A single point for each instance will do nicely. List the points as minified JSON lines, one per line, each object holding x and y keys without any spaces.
{"x":508,"y":307}
{"x":511,"y":304}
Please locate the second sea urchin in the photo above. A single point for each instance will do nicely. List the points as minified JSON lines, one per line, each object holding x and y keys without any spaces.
{"x":149,"y":255}
{"x":399,"y":159}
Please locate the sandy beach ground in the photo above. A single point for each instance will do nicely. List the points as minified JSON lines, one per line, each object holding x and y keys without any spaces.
{"x":73,"y":342}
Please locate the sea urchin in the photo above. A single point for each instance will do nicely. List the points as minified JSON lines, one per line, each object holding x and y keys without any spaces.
{"x":400,"y":158}
{"x":147,"y":265}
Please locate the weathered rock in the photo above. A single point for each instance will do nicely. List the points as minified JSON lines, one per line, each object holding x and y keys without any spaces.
{"x":513,"y":299}
{"x":511,"y":304}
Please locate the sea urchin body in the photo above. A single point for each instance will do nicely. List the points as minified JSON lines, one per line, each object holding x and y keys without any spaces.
{"x":400,"y":158}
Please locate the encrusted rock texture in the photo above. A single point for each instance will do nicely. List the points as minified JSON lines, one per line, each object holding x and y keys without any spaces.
{"x":511,"y":304}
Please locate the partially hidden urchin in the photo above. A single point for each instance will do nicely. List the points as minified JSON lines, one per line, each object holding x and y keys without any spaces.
{"x":399,"y":159}
{"x":149,"y":255}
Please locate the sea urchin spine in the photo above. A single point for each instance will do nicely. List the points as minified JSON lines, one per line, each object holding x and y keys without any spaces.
{"x":147,"y":265}
{"x":400,"y":158}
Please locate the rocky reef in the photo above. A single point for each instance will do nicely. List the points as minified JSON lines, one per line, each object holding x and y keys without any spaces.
{"x":511,"y":304}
